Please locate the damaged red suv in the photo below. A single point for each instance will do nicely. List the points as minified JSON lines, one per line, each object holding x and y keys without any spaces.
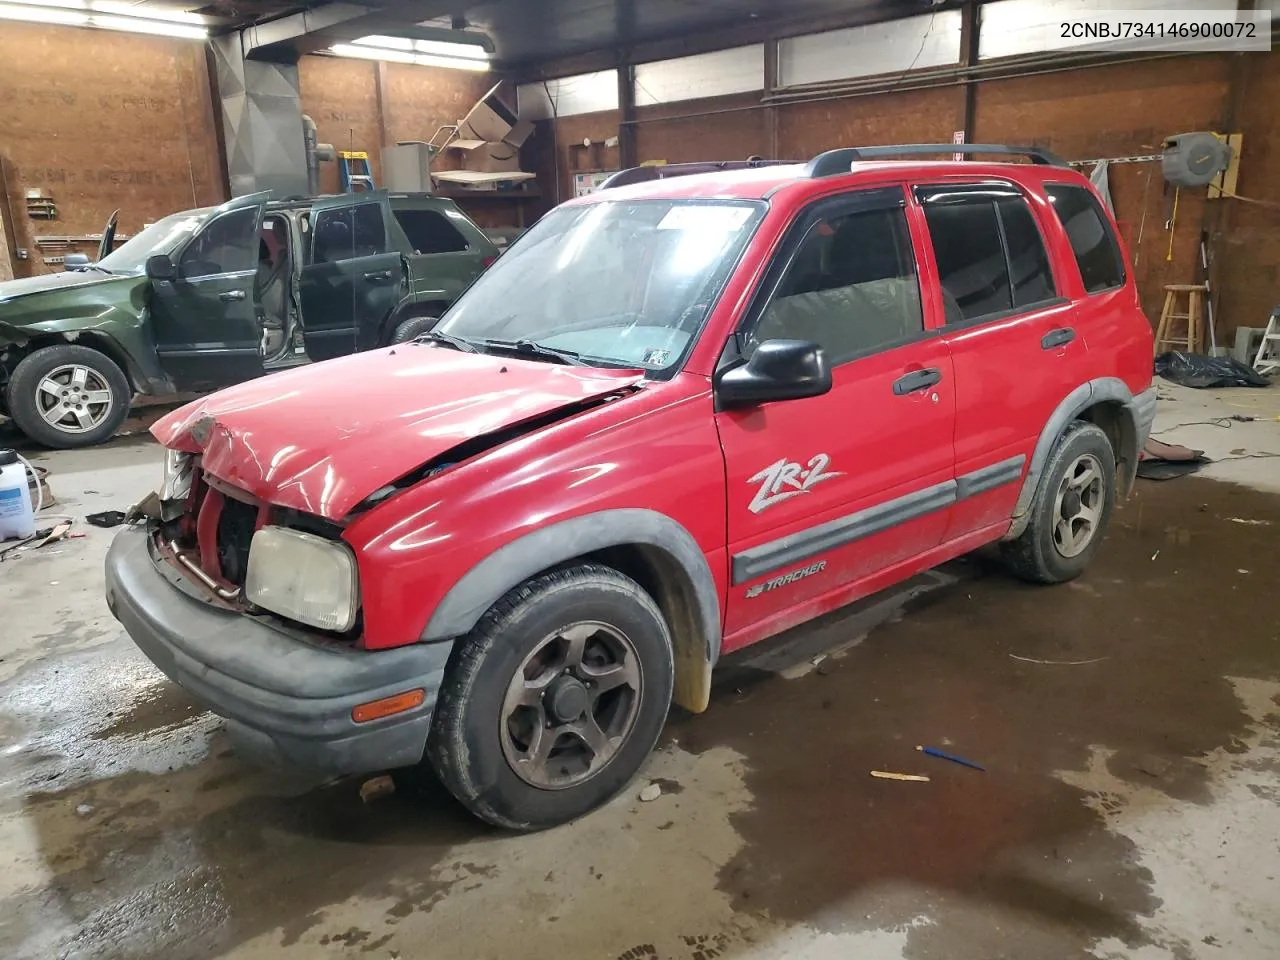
{"x":677,"y":417}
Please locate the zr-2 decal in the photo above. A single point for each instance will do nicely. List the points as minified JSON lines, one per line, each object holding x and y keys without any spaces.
{"x":785,"y":579}
{"x":784,"y":479}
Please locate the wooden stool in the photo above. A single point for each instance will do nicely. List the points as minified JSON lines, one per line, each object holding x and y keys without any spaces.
{"x":1190,"y":338}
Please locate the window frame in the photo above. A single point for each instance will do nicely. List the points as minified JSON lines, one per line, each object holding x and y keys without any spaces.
{"x":398,"y":212}
{"x":861,"y":200}
{"x":1107,"y":227}
{"x":204,"y":228}
{"x":350,"y":209}
{"x":1008,"y":188}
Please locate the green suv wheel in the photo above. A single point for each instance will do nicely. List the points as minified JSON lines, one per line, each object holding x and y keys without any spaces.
{"x":68,"y":396}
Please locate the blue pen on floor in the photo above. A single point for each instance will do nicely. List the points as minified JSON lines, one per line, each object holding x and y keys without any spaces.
{"x":933,"y":752}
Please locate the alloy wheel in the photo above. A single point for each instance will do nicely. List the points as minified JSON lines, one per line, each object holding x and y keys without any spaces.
{"x":571,"y":705}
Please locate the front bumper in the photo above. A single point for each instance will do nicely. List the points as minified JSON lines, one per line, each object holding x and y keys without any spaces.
{"x":287,"y":698}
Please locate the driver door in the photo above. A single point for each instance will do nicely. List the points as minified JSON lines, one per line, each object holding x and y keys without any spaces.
{"x":353,"y":277}
{"x":828,"y":491}
{"x":205,"y":320}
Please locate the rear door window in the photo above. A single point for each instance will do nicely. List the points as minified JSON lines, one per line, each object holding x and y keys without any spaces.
{"x":430,"y":231}
{"x":1089,"y":232}
{"x":990,"y":255}
{"x":346,"y":233}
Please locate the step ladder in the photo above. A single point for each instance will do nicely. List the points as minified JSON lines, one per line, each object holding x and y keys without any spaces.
{"x":354,"y":172}
{"x":1267,"y":361}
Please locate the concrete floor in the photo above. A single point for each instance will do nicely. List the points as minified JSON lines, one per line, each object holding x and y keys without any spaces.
{"x":1130,"y":723}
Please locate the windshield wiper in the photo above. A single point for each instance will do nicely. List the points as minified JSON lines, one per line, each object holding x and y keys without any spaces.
{"x":532,"y":347}
{"x":94,"y":266}
{"x":466,"y":346}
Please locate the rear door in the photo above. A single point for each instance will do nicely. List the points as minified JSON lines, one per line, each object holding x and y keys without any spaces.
{"x":1013,"y":338}
{"x":204,"y":320}
{"x":828,"y":491}
{"x":448,"y":250}
{"x":353,"y":276}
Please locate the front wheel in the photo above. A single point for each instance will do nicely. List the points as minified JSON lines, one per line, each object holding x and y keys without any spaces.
{"x":1070,"y":512}
{"x":68,"y":396}
{"x":550,"y":706}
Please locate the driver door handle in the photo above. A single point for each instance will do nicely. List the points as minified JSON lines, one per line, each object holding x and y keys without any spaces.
{"x":379,"y":276}
{"x":231,"y":295}
{"x":1057,"y":338}
{"x":916,"y":380}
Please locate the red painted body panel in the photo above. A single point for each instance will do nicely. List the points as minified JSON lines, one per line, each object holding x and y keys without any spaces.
{"x":323,"y":438}
{"x":874,"y":446}
{"x":655,"y":449}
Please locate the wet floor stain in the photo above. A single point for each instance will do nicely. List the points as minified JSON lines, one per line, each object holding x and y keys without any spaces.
{"x":212,"y":857}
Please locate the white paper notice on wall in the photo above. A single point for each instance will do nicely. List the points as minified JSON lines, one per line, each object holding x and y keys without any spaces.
{"x":706,"y":218}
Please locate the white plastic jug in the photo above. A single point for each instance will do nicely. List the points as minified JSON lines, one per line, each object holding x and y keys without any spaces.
{"x":17,"y":519}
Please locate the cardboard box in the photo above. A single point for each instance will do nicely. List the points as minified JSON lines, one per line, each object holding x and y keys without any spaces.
{"x":487,"y":156}
{"x":490,"y":119}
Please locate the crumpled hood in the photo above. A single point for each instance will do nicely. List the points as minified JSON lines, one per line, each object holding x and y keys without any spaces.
{"x":322,"y":438}
{"x":49,"y":282}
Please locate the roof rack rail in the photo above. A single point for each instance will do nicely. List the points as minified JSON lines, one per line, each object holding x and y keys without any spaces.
{"x":835,"y":162}
{"x":660,"y":171}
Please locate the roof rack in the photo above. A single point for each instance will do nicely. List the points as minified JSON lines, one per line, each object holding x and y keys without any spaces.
{"x":840,"y":161}
{"x":660,"y":171}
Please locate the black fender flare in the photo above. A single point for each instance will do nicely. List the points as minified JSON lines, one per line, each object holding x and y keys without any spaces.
{"x":1136,"y":415}
{"x":513,"y":564}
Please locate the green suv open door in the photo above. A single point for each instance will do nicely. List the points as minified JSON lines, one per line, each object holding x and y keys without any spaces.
{"x":353,"y":275}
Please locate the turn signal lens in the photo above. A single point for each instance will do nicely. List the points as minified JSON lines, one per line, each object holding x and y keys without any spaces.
{"x":387,"y":706}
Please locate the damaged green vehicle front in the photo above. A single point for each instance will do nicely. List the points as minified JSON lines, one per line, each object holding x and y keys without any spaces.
{"x":76,"y":346}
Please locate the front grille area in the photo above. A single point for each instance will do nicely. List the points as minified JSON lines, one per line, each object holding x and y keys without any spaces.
{"x":235,"y":529}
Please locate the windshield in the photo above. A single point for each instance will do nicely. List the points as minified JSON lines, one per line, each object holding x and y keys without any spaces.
{"x":161,"y":237}
{"x":623,"y":283}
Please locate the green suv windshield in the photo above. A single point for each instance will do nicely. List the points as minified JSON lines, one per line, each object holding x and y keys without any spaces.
{"x":161,"y":237}
{"x":623,"y":283}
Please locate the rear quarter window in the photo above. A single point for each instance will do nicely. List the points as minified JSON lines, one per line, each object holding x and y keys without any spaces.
{"x":1089,"y":231}
{"x":429,"y":231}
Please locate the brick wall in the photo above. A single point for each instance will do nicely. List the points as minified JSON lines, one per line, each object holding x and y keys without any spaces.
{"x":102,"y":121}
{"x":1120,"y":110}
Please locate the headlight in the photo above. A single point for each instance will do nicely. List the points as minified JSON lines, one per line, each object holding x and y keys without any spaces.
{"x":303,"y":577}
{"x":178,"y":468}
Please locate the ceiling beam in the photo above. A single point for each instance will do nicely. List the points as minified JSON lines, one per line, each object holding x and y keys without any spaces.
{"x":711,"y":39}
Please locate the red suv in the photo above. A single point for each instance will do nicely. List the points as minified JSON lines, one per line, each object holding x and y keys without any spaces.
{"x":675,"y":418}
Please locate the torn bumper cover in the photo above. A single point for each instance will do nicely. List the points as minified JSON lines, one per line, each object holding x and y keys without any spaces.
{"x":287,"y":699}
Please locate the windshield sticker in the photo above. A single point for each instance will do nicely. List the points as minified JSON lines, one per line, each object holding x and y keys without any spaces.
{"x":784,"y":479}
{"x":655,"y":357}
{"x":717,"y":219}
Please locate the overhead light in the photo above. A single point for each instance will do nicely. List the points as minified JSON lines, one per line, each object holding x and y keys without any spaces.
{"x":408,"y":56}
{"x":106,"y":15}
{"x":440,"y":48}
{"x":10,"y":11}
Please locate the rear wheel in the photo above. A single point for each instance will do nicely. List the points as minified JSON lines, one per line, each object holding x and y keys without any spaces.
{"x":68,"y":396}
{"x":552,"y":703}
{"x":406,"y":330}
{"x":1070,"y":511}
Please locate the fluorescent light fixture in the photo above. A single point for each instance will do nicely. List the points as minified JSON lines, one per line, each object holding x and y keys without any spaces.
{"x":107,"y":15}
{"x":9,"y":11}
{"x":365,"y":52}
{"x":439,"y":48}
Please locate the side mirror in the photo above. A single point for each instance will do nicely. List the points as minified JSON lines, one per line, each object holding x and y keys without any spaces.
{"x":160,"y":267}
{"x":778,"y":370}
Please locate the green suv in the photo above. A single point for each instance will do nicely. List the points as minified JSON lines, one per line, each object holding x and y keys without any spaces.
{"x":210,"y":297}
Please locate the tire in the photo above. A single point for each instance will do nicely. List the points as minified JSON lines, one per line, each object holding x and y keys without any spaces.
{"x":406,"y":330}
{"x":483,"y":748}
{"x":84,"y":372}
{"x":1047,"y":551}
